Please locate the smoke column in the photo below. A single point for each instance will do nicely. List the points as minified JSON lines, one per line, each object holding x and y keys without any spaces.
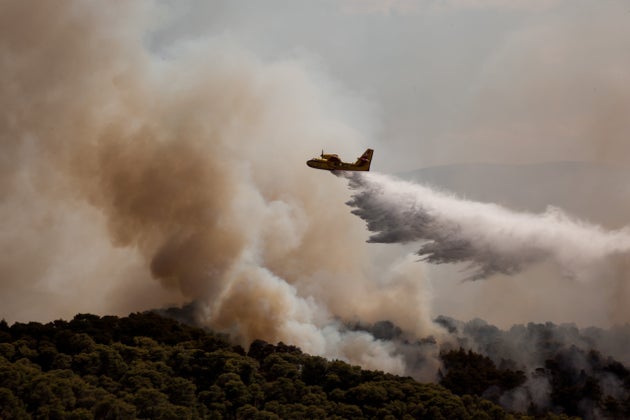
{"x":490,"y":238}
{"x":133,"y":179}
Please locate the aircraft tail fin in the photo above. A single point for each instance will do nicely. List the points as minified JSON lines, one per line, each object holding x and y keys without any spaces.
{"x":365,"y":159}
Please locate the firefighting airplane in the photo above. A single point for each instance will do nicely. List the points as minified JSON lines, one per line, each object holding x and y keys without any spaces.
{"x":330,"y":162}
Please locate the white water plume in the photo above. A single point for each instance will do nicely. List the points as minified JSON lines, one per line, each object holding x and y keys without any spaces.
{"x":491,"y":238}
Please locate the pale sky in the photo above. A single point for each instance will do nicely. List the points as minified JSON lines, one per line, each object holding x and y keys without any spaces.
{"x":443,"y":82}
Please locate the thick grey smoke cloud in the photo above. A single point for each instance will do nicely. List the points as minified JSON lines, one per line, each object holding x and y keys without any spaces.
{"x":492,"y":239}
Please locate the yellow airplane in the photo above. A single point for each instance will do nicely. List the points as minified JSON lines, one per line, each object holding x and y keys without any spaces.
{"x":332,"y":162}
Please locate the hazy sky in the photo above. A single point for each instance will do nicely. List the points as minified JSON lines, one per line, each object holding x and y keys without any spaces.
{"x":450,"y":81}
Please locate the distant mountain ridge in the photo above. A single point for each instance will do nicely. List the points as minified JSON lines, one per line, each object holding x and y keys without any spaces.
{"x":595,"y":192}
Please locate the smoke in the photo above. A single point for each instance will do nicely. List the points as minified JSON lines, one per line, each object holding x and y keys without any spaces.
{"x":490,"y":238}
{"x":134,"y":178}
{"x":554,"y":358}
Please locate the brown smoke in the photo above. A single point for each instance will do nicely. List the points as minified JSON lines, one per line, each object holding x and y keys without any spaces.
{"x":186,"y":166}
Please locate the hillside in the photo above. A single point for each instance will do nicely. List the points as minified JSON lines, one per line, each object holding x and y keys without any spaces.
{"x":147,"y":366}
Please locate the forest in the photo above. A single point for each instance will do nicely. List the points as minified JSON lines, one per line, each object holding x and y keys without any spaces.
{"x":149,"y":366}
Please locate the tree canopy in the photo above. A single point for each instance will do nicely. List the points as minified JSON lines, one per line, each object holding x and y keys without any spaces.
{"x":148,"y":366}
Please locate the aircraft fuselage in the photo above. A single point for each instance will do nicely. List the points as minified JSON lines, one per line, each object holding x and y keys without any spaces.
{"x":331,"y":162}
